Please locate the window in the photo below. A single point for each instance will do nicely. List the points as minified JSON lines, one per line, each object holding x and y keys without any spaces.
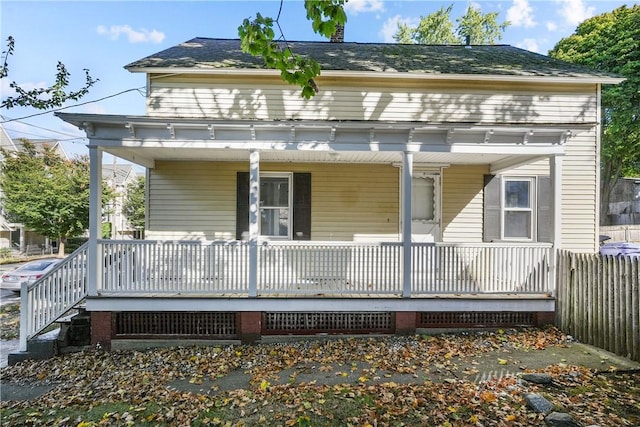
{"x":285,"y":205}
{"x":275,"y":205}
{"x":423,"y":198}
{"x":517,"y":208}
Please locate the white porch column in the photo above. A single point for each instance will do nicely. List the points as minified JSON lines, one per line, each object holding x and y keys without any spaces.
{"x":254,"y":217}
{"x":555,"y":168}
{"x":94,"y":263}
{"x":407,"y":174}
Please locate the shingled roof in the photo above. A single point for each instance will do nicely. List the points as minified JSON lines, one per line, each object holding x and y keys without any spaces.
{"x":501,"y":60}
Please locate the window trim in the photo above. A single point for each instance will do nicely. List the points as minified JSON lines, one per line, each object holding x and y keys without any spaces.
{"x":532,"y":209}
{"x":289,"y":176}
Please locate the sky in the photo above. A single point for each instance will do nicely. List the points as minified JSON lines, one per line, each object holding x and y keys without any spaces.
{"x":104,"y":36}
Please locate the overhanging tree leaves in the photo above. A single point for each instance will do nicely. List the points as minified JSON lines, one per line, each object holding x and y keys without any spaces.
{"x":611,"y":42}
{"x":46,"y":193}
{"x":133,"y":207}
{"x":258,"y":38}
{"x":438,"y":28}
{"x":42,"y":98}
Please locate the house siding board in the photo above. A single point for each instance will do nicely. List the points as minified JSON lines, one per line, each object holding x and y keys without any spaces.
{"x":198,"y":199}
{"x":462,"y":203}
{"x":443,"y":102}
{"x":579,"y":190}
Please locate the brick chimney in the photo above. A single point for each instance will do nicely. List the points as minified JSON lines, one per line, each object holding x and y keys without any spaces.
{"x":338,"y":36}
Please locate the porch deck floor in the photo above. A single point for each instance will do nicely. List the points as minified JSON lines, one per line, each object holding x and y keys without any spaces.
{"x":327,"y":295}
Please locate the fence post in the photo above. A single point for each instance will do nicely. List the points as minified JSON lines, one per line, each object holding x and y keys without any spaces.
{"x":24,"y":316}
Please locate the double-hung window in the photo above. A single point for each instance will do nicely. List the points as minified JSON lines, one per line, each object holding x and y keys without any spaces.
{"x":285,"y":205}
{"x":518,"y":208}
{"x":275,"y":205}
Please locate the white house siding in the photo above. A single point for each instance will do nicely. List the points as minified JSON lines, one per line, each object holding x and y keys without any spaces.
{"x":219,"y":97}
{"x":348,"y":99}
{"x":462,"y":203}
{"x":197,"y":200}
{"x":192,"y":200}
{"x":579,"y":193}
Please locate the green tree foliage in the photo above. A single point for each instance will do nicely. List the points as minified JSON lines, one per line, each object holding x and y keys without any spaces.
{"x":42,"y":98}
{"x":133,"y":206}
{"x":45,"y":192}
{"x":258,"y":38}
{"x":611,"y":42}
{"x":438,"y":28}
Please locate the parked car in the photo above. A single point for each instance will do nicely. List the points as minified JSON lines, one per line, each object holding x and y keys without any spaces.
{"x":29,"y":273}
{"x":621,"y":249}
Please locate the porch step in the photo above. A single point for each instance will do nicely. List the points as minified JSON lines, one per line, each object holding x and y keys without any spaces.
{"x":73,"y":335}
{"x":75,"y":331}
{"x":42,"y":347}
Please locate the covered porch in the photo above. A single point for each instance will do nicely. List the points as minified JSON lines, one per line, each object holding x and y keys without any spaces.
{"x":404,"y":263}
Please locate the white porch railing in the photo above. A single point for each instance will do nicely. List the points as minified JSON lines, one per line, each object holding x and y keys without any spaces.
{"x":174,"y":267}
{"x":322,"y":268}
{"x":53,"y":295}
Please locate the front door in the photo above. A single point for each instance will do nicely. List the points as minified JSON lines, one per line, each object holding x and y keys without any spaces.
{"x":425,"y":207}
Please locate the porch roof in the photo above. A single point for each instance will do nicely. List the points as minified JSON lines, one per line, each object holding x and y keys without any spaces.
{"x":145,"y":139}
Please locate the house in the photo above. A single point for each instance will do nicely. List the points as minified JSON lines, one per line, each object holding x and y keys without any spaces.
{"x":7,"y":230}
{"x":16,"y":236}
{"x":118,"y":177}
{"x":624,"y":203}
{"x":423,"y":186}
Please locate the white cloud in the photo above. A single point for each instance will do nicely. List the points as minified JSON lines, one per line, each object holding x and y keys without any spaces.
{"x":355,"y":7}
{"x":529,"y":44}
{"x":552,"y":26}
{"x":575,"y":11}
{"x":390,"y":27}
{"x":521,"y":14}
{"x":141,"y":36}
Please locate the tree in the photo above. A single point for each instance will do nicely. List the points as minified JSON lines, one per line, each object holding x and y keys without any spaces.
{"x":46,"y":193}
{"x":45,"y":97}
{"x":611,"y":42}
{"x":438,"y":28}
{"x":133,"y":206}
{"x":257,"y":38}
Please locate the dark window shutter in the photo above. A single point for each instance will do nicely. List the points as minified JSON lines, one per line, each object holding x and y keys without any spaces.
{"x":544,"y":209}
{"x":491,"y":218}
{"x":301,"y":206}
{"x":242,"y":204}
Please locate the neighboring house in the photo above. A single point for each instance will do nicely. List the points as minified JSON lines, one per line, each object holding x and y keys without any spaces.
{"x":118,"y":177}
{"x":7,"y":230}
{"x":17,"y":236}
{"x":423,"y":186}
{"x":624,"y":203}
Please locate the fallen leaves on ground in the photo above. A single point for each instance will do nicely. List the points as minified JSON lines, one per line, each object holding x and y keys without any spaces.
{"x":10,"y":321}
{"x":131,"y":387}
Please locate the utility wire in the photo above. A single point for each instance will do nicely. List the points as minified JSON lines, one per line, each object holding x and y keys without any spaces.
{"x":75,"y":105}
{"x":37,"y":127}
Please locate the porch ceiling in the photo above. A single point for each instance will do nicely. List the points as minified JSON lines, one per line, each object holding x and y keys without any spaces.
{"x":144,"y":140}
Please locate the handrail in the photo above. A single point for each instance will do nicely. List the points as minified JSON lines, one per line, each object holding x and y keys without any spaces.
{"x":53,"y":295}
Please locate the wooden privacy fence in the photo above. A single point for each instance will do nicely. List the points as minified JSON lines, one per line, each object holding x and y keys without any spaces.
{"x":598,"y":301}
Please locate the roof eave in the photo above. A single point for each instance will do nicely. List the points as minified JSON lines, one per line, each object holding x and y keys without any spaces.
{"x":386,"y":74}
